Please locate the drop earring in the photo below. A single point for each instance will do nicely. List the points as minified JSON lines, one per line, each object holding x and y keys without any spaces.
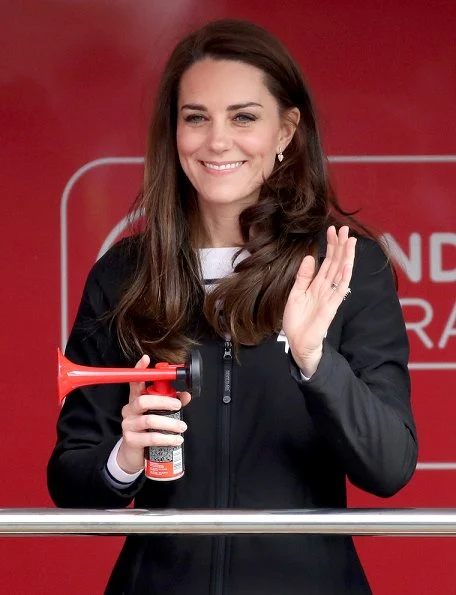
{"x":280,"y":155}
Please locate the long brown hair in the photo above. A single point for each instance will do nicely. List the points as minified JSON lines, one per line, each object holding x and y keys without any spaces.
{"x":296,"y":204}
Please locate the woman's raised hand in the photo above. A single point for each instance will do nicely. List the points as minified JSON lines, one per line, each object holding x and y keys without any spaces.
{"x":136,"y":423}
{"x":314,"y":299}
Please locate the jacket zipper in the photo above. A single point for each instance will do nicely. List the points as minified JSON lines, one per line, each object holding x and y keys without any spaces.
{"x":223,"y":485}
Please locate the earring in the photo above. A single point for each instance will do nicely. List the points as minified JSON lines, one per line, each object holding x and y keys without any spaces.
{"x":280,"y":155}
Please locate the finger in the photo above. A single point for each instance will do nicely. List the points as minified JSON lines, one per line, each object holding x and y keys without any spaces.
{"x":343,"y":287}
{"x":137,"y":387}
{"x":305,"y":274}
{"x":184,"y":398}
{"x":350,"y":251}
{"x":331,"y":245}
{"x":144,"y":439}
{"x":335,"y":270}
{"x":143,"y":362}
{"x":347,"y":258}
{"x":151,"y":422}
{"x":331,"y":240}
{"x":147,"y":402}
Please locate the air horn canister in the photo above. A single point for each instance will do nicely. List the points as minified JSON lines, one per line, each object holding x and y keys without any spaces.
{"x":161,"y":463}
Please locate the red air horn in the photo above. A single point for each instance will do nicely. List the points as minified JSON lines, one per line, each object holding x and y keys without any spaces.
{"x":161,"y":463}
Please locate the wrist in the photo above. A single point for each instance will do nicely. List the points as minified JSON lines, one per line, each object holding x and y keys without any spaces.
{"x":128,"y":463}
{"x":308,"y":363}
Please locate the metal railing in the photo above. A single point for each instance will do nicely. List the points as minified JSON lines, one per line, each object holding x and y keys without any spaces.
{"x":51,"y":521}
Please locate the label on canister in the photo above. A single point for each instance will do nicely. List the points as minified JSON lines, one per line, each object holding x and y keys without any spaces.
{"x":165,"y":463}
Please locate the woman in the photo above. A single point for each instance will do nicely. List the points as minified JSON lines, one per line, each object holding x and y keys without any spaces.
{"x":245,"y":253}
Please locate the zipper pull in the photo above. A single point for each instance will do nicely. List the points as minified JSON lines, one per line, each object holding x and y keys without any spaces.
{"x":227,"y":366}
{"x":228,"y":353}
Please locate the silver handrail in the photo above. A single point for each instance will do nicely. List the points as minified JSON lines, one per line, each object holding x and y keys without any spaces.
{"x":50,"y":521}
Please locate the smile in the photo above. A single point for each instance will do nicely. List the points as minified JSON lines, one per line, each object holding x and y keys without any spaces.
{"x":222,"y":166}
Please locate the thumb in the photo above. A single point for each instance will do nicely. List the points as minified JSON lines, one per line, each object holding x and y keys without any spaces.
{"x":143,"y":362}
{"x":136,"y":388}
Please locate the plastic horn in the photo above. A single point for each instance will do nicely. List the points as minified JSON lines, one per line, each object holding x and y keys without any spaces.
{"x":72,"y":376}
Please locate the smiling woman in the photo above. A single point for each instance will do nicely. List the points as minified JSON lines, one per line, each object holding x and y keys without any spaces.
{"x":247,"y":254}
{"x":229,"y":131}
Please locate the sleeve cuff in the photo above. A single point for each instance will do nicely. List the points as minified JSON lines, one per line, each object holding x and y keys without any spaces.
{"x":303,"y":377}
{"x":117,"y":476}
{"x":321,"y":373}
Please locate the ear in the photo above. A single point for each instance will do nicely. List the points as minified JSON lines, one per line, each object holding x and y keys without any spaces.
{"x":290,"y":121}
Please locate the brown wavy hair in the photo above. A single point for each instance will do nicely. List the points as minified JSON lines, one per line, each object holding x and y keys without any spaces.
{"x":156,"y":312}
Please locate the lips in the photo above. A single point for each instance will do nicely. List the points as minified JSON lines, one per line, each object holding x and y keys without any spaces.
{"x":226,"y":166}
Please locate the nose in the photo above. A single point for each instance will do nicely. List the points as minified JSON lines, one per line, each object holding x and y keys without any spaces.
{"x":219,"y":137}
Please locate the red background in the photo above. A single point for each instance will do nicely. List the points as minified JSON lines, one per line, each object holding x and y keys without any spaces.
{"x":76,"y":84}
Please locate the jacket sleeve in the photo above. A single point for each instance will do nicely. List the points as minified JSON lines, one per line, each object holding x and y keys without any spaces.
{"x":359,"y":397}
{"x":89,"y":423}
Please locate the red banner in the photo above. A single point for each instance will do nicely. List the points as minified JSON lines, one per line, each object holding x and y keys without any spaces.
{"x":77,"y":82}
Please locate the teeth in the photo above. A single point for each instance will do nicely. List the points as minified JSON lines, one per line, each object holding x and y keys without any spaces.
{"x":224,"y":166}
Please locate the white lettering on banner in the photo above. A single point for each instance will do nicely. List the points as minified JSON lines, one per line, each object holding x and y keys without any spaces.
{"x":418,"y":326}
{"x":412,"y":263}
{"x":437,"y":272}
{"x":449,"y":330}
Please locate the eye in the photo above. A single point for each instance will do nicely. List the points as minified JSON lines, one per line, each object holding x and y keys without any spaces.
{"x":244,"y":118}
{"x":194,"y":118}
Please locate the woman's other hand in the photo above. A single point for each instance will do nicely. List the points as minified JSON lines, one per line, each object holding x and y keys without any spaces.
{"x":314,"y":300}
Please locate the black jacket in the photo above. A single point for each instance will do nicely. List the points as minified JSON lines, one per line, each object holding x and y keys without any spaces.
{"x":280,"y":443}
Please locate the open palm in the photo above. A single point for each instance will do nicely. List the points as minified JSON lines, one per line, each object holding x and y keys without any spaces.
{"x":314,"y":299}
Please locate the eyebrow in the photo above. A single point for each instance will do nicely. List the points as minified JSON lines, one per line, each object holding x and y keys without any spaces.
{"x":231,"y":108}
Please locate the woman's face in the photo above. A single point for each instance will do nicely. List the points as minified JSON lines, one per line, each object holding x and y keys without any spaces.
{"x":229,"y":131}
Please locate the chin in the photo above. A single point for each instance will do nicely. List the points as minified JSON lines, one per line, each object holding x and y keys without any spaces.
{"x":225,"y":199}
{"x":225,"y":196}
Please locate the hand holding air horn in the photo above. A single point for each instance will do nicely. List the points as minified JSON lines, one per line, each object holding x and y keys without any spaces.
{"x":161,"y":463}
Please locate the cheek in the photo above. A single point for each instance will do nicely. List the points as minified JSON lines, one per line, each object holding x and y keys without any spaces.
{"x":268,"y":165}
{"x":262,"y":145}
{"x":186,"y":143}
{"x":264,"y":148}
